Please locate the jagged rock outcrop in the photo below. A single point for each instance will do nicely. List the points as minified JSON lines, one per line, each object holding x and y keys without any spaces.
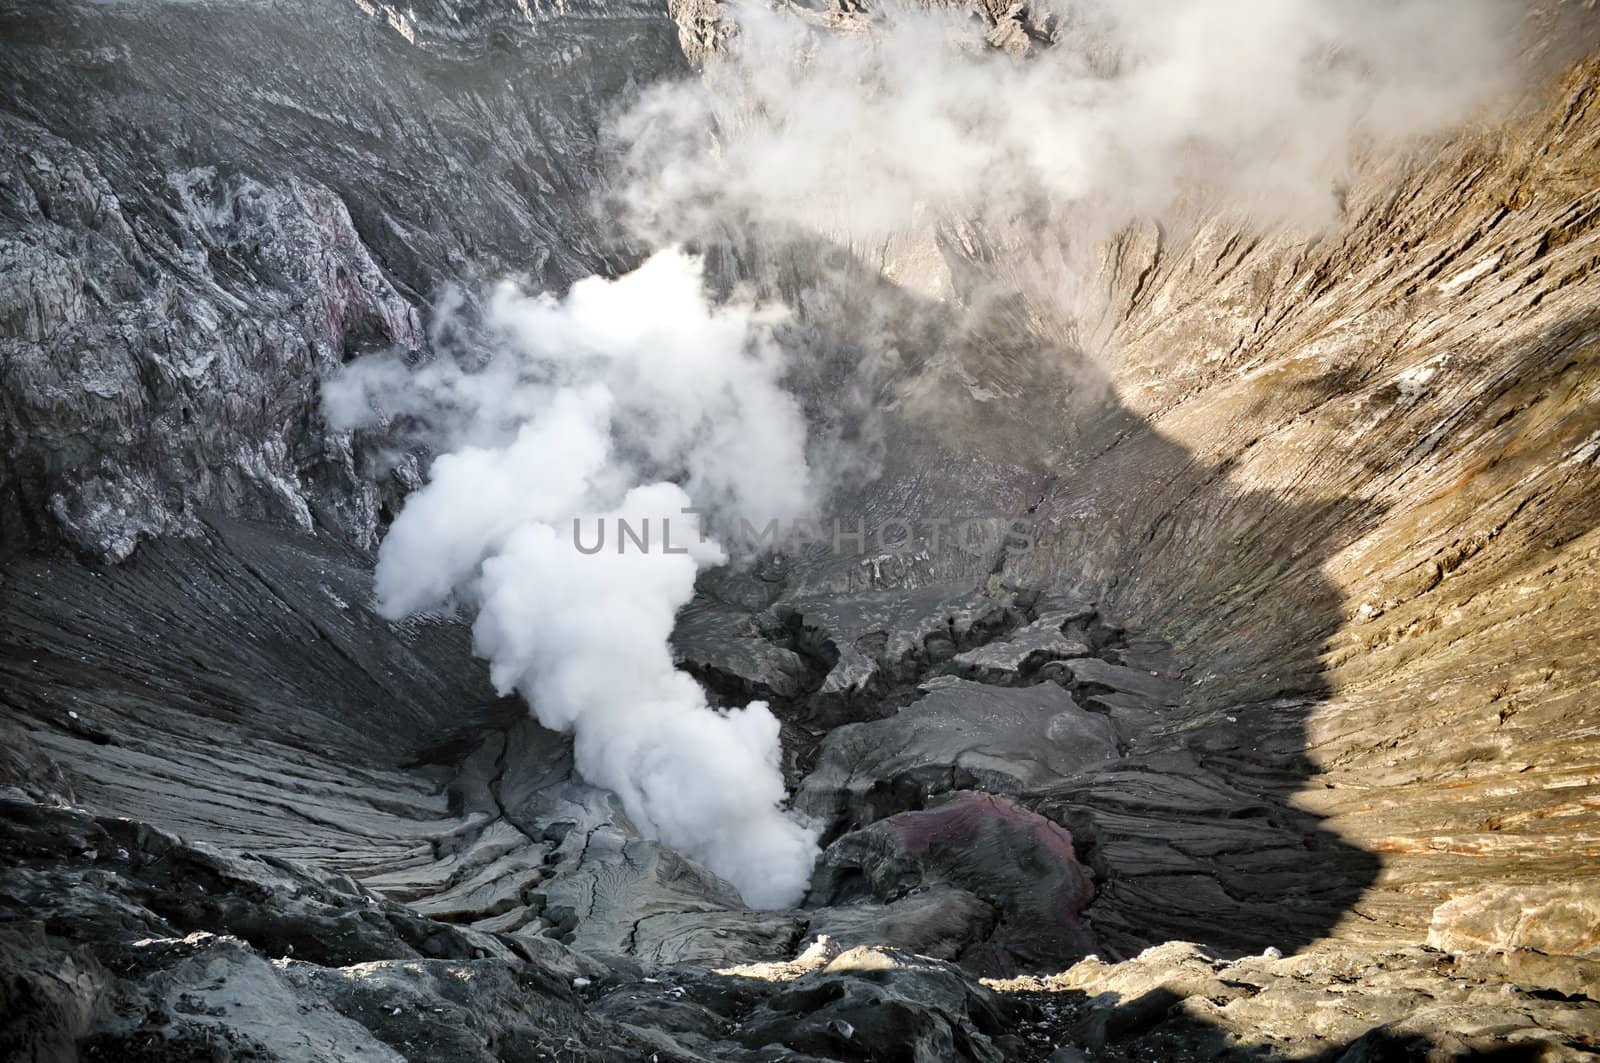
{"x":208,"y":209}
{"x":958,"y":735}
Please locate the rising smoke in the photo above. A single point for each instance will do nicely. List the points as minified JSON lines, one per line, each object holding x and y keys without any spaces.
{"x":636,"y":399}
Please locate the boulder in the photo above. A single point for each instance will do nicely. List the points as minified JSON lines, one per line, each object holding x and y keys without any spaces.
{"x":1017,"y":866}
{"x":874,"y":1003}
{"x":1556,"y":920}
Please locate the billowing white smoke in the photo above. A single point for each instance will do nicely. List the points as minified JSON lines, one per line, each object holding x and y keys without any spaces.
{"x":1137,"y":104}
{"x":627,"y":401}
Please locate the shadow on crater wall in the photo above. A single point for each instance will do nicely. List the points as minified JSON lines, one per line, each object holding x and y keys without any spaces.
{"x":1194,"y":832}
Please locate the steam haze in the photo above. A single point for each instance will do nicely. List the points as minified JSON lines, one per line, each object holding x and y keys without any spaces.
{"x":862,"y":134}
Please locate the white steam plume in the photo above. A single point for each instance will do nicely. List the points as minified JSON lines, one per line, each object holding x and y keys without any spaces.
{"x":858,"y":128}
{"x":634,"y":399}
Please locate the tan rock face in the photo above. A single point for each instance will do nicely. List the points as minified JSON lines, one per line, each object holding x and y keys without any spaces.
{"x":1555,"y":920}
{"x":1352,"y":476}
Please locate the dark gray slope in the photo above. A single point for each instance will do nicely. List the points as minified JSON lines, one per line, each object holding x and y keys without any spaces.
{"x":205,"y":208}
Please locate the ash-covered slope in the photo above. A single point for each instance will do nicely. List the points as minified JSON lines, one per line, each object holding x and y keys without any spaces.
{"x":208,"y":207}
{"x":1303,"y":658}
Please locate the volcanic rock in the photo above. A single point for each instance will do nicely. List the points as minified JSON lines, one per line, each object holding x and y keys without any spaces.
{"x":959,"y":735}
{"x":1020,"y":866}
